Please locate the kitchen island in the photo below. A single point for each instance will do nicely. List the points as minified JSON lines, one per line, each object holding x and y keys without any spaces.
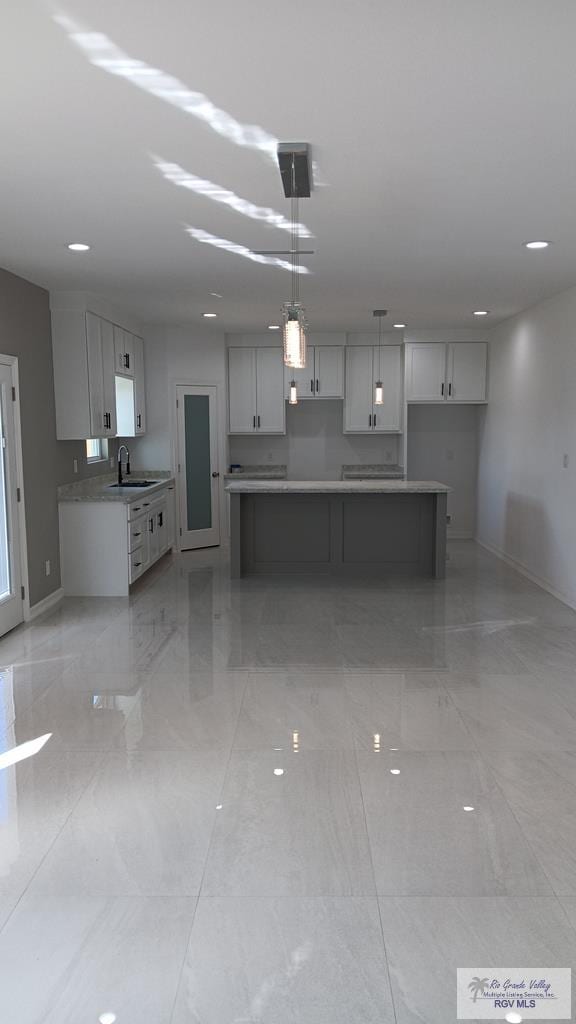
{"x":346,"y":527}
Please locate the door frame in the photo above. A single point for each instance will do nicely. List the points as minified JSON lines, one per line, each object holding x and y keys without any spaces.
{"x":12,"y":362}
{"x":175,"y":383}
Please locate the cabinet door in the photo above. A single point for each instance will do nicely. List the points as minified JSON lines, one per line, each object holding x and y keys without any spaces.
{"x":305,"y":379}
{"x":467,"y":372}
{"x":329,"y":377}
{"x":270,"y":405}
{"x":241,"y":391}
{"x":95,"y":375}
{"x":359,"y":390}
{"x":426,"y":372}
{"x":123,"y":351}
{"x":388,"y":370}
{"x":153,"y":536}
{"x":109,"y":377}
{"x":170,"y":518}
{"x":139,"y":387}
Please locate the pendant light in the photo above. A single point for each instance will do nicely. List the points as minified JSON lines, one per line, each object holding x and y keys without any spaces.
{"x":378,"y":388}
{"x":294,"y":328}
{"x":293,"y":399}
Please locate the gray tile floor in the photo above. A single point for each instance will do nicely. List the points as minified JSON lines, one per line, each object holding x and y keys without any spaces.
{"x":252,"y":808}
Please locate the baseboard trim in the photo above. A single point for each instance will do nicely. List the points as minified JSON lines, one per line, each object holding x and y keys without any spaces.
{"x":514,"y":564}
{"x":45,"y":604}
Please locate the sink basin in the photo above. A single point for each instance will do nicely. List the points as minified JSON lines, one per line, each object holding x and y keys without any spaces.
{"x":136,"y":483}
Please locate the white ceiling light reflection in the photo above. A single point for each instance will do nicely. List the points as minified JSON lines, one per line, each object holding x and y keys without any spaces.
{"x":513,"y":1018}
{"x":242,"y":250}
{"x":219,"y":807}
{"x":103,"y":53}
{"x":23,"y":750}
{"x":178,"y":176}
{"x":278,"y":771}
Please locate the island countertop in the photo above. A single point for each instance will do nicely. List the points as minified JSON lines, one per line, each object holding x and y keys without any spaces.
{"x":336,"y":487}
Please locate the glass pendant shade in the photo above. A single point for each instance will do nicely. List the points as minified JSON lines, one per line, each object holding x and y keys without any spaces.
{"x":294,"y":336}
{"x":378,"y":396}
{"x":293,"y":400}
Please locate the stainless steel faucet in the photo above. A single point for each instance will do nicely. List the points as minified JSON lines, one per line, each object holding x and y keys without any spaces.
{"x":125,"y":447}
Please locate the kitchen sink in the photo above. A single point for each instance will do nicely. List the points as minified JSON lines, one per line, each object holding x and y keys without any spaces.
{"x":136,"y":483}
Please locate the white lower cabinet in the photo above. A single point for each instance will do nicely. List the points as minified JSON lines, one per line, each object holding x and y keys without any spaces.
{"x":106,"y":546}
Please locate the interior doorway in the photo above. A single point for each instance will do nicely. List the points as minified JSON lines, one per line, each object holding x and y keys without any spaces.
{"x":11,"y":596}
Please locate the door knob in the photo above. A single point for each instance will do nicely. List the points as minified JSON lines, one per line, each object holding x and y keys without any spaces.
{"x":215,"y":474}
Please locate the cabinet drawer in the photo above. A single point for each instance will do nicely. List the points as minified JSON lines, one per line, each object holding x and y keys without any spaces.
{"x":143,"y":507}
{"x":137,"y":532}
{"x":137,"y":564}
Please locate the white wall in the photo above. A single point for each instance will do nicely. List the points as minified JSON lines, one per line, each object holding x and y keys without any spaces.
{"x":527,"y":499}
{"x":314,"y":447}
{"x":443,"y":445}
{"x":178,"y":355}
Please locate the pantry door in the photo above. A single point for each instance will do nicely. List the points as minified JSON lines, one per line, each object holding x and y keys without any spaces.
{"x":198,"y":470}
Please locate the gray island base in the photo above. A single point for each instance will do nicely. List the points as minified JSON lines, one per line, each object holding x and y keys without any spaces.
{"x":362,"y":528}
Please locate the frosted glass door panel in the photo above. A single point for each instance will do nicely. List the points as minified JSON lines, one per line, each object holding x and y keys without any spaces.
{"x":198,"y":475}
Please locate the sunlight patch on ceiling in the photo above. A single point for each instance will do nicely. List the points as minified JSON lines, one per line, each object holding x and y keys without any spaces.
{"x":103,"y":53}
{"x":242,"y":250}
{"x":179,"y":176}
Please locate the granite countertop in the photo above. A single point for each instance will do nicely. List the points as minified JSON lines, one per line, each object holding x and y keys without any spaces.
{"x":97,"y":488}
{"x":336,"y":486}
{"x":373,"y":471}
{"x":266,"y":472}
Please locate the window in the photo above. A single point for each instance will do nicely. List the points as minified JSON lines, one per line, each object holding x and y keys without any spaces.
{"x":96,"y":449}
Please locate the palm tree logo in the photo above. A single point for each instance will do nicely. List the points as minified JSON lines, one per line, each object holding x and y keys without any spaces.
{"x":478,"y":986}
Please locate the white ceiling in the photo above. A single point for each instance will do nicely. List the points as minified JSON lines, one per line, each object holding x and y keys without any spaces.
{"x":442,"y":131}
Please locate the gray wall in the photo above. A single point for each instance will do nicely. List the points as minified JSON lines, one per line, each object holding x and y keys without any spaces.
{"x":443,"y":445}
{"x":25,"y":333}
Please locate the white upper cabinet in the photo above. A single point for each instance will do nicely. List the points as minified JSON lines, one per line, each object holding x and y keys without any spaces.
{"x":365,"y":366}
{"x":466,"y":375}
{"x":256,"y":391}
{"x":437,"y":372}
{"x":270,"y":408}
{"x":85,"y":350}
{"x":425,"y":373}
{"x":323,"y":375}
{"x":139,"y":386}
{"x":124,"y":351}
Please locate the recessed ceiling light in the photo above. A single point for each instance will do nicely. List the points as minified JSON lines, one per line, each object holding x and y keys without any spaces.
{"x":536,"y":245}
{"x":78,"y":246}
{"x":467,"y":807}
{"x":107,"y":1018}
{"x":273,"y":327}
{"x":513,"y":1018}
{"x":481,"y":312}
{"x":394,"y":771}
{"x":278,"y":771}
{"x":217,"y":295}
{"x":398,"y":325}
{"x":209,"y":314}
